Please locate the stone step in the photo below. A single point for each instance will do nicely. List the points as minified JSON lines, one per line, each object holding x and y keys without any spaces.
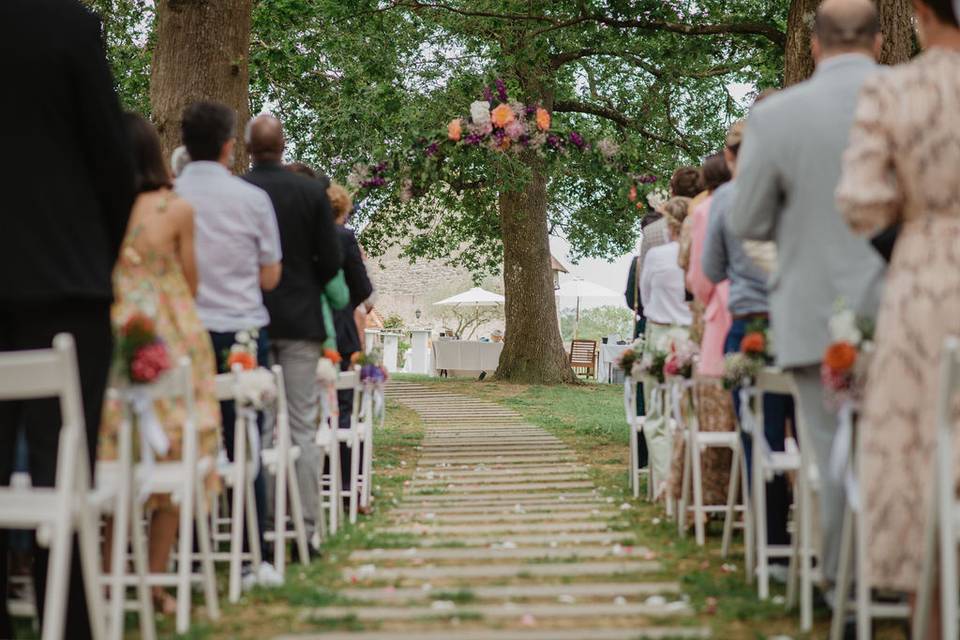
{"x":494,"y":479}
{"x":519,"y":527}
{"x":444,"y":512}
{"x":431,"y":443}
{"x":564,"y":496}
{"x":496,"y":473}
{"x":524,"y":486}
{"x":560,"y":539}
{"x":511,"y":516}
{"x":430,"y":460}
{"x":491,"y":450}
{"x":591,"y":633}
{"x":505,"y":611}
{"x":498,"y":553}
{"x":500,"y":467}
{"x":511,"y":570}
{"x":580,"y":591}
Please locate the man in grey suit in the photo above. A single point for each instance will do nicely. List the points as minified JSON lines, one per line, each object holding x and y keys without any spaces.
{"x":788,"y":172}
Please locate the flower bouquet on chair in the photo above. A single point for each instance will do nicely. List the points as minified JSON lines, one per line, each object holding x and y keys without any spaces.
{"x":847,"y":358}
{"x":142,"y":357}
{"x":371,"y":369}
{"x":257,"y":387}
{"x":742,"y":367}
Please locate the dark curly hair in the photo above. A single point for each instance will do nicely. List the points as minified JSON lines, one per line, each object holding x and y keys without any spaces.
{"x":686,"y":182}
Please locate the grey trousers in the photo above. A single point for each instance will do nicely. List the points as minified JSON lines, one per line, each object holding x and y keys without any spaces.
{"x":299,"y":361}
{"x":821,"y":427}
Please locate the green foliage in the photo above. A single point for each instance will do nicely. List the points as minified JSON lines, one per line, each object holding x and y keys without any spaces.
{"x":369,"y":79}
{"x":597,"y":323}
{"x":392,"y":322}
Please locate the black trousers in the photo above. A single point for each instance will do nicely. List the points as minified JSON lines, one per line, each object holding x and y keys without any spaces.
{"x":33,"y":326}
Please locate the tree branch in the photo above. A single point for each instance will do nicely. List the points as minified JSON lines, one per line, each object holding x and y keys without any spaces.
{"x":764,"y":29}
{"x":572,"y":106}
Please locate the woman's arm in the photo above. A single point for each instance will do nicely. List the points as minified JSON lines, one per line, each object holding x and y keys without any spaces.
{"x":186,"y":249}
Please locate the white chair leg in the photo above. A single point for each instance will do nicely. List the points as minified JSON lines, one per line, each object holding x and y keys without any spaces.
{"x":207,"y":573}
{"x":634,"y":474}
{"x":253,"y":527}
{"x":699,"y":514}
{"x":683,"y":502}
{"x":863,"y":586}
{"x":118,"y":548}
{"x":88,"y":535}
{"x":729,"y":516}
{"x":760,"y":520}
{"x":184,"y":552}
{"x":280,"y":511}
{"x":61,"y":548}
{"x":236,"y":521}
{"x":806,"y":557}
{"x":296,"y":514}
{"x":843,"y":577}
{"x":367,"y":469}
{"x":148,"y":630}
{"x":948,"y":548}
{"x":354,"y":479}
{"x":921,"y":613}
{"x":749,"y":522}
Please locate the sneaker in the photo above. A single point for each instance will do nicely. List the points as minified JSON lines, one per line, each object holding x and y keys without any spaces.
{"x":268,"y":576}
{"x":248,"y":579}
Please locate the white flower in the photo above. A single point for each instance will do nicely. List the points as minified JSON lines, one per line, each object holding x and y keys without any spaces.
{"x":327,"y":372}
{"x":843,"y":328}
{"x":657,"y":198}
{"x":242,"y":337}
{"x":480,"y":112}
{"x":608,"y":148}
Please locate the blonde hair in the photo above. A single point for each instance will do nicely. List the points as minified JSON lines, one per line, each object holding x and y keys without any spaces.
{"x":340,"y":201}
{"x":675,"y":211}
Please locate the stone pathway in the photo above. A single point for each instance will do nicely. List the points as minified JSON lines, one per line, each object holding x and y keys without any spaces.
{"x":508,"y":540}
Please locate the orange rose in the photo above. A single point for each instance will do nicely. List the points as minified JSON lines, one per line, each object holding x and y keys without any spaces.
{"x":543,"y":119}
{"x":332,"y":355}
{"x":243,"y":358}
{"x":633,"y":193}
{"x":840,"y":356}
{"x":455,"y":130}
{"x":754,"y":343}
{"x":502,"y":116}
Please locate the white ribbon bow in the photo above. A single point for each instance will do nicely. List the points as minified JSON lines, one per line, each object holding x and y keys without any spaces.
{"x":153,"y":439}
{"x":841,"y":456}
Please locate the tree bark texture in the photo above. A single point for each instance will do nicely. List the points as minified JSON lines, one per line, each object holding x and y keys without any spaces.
{"x":533,"y":350}
{"x":201,"y":53}
{"x":896,"y":23}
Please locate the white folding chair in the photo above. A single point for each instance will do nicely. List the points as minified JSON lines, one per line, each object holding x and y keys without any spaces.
{"x":115,"y":491}
{"x":359,"y":434}
{"x":183,"y":480}
{"x":57,"y":512}
{"x":239,"y":475}
{"x":368,"y":418}
{"x":329,"y":495}
{"x":635,"y":424}
{"x":853,"y":544}
{"x":796,"y":458}
{"x":942,"y":532}
{"x":281,"y":461}
{"x":696,"y":442}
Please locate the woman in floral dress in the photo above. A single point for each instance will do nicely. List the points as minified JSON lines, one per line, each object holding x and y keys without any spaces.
{"x":156,"y":275}
{"x":901,"y":167}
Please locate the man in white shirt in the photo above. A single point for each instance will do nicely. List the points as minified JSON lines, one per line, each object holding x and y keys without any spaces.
{"x":238,"y":256}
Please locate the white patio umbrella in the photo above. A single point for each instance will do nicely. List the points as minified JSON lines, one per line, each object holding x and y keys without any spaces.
{"x":582,"y":289}
{"x":475,"y":298}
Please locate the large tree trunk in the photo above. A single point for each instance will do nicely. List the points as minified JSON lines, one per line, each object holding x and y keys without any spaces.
{"x":533,"y":350}
{"x":895,"y":22}
{"x":201,"y":53}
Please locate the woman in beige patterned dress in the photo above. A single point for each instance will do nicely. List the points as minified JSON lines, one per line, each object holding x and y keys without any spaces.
{"x":903,"y":165}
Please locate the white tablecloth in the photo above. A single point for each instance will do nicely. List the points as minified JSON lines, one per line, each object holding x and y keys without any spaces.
{"x":466,"y":355}
{"x":608,"y":355}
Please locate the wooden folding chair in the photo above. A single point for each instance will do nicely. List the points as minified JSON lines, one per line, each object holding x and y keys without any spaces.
{"x":56,"y":512}
{"x":583,"y":356}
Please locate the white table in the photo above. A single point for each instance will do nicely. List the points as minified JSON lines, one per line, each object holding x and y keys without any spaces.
{"x":608,"y":355}
{"x":466,"y":355}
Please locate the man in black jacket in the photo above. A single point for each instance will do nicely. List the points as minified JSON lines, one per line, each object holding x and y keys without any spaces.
{"x":311,"y":257}
{"x":68,"y":189}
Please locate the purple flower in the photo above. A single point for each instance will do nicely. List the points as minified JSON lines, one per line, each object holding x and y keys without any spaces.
{"x":473,"y":138}
{"x":381,"y":167}
{"x":371,"y":372}
{"x":577,"y":140}
{"x":501,"y":89}
{"x":431,"y":149}
{"x":554,"y":141}
{"x":487,"y":94}
{"x":650,"y":179}
{"x":531,"y":109}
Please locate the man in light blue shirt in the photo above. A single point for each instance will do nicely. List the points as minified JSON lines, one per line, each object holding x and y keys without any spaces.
{"x":238,"y":257}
